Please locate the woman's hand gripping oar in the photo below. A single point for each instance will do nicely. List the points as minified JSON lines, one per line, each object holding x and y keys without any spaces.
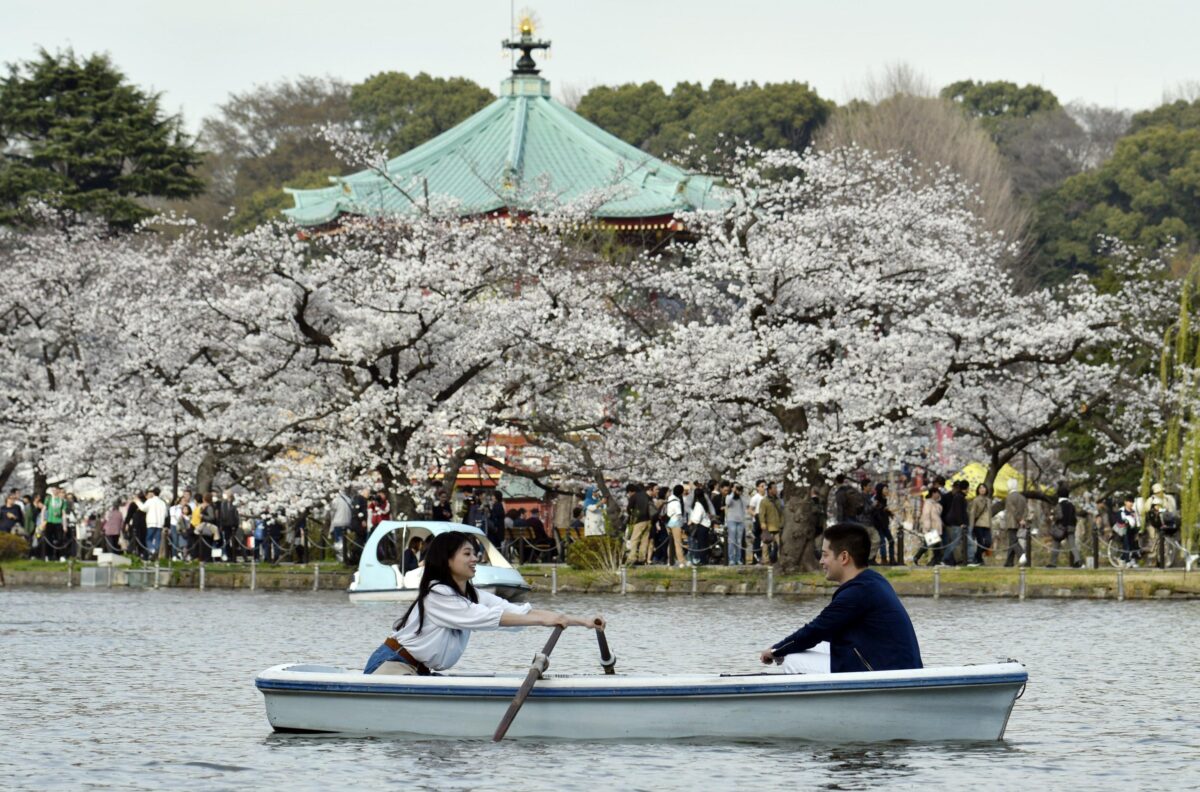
{"x":608,"y":660}
{"x":541,"y":661}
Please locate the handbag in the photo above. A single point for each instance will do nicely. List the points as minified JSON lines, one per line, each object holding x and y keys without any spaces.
{"x":1058,"y":532}
{"x":931,"y":538}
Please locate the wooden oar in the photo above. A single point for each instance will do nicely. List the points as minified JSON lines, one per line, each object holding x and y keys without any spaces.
{"x":608,"y":660}
{"x":541,"y":661}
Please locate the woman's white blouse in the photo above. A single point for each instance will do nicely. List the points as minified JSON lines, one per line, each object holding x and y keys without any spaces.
{"x":449,"y":620}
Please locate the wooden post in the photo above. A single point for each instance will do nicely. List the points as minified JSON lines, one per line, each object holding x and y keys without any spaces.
{"x":937,"y":583}
{"x":770,"y":582}
{"x":1120,"y":585}
{"x":693,"y":581}
{"x":1021,"y":585}
{"x":317,"y":576}
{"x":253,"y":573}
{"x":70,"y":571}
{"x":156,"y":573}
{"x":202,"y":576}
{"x":554,"y":580}
{"x":623,"y":580}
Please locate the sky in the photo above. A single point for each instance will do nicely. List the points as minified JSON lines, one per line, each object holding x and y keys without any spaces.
{"x":1117,"y":54}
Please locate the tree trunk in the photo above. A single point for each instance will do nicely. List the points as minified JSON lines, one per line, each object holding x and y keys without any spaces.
{"x":10,"y":465}
{"x":206,"y":472}
{"x":796,"y":550}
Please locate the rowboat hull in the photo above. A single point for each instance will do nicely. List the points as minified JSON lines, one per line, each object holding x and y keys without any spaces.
{"x":935,"y":704}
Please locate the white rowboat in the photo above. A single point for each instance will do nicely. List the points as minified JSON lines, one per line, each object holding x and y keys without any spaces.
{"x":932,"y":704}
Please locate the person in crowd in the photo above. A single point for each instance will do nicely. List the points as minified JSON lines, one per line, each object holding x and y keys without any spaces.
{"x":30,"y":515}
{"x":135,"y":525}
{"x":434,"y":631}
{"x":755,"y":524}
{"x":699,"y":525}
{"x":443,"y":511}
{"x":575,"y":527}
{"x":412,"y":554}
{"x":157,"y":514}
{"x":209,"y":532}
{"x":175,"y":526}
{"x":660,"y":536}
{"x":594,"y":506}
{"x":356,"y":537}
{"x":542,"y":540}
{"x":85,"y":536}
{"x":846,"y":499}
{"x":735,"y":527}
{"x":770,"y":513}
{"x":299,"y":531}
{"x":930,"y":523}
{"x":54,"y":538}
{"x":676,"y":521}
{"x":979,"y":517}
{"x":864,"y":516}
{"x":865,"y":624}
{"x":954,"y":521}
{"x":228,"y":520}
{"x":1062,"y":529}
{"x":1129,"y":525}
{"x":12,"y":516}
{"x":638,"y":519}
{"x":1016,"y":525}
{"x":113,"y":521}
{"x":341,"y":517}
{"x":880,"y":515}
{"x":496,"y":521}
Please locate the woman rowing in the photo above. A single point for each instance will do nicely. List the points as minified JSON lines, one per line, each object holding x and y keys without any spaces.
{"x":433,"y":633}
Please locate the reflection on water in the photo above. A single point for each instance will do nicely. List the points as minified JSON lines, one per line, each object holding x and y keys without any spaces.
{"x":154,"y":690}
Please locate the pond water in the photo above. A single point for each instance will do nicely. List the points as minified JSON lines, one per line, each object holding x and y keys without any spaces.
{"x":155,"y":689}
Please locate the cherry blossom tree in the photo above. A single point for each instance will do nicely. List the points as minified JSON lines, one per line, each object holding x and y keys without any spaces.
{"x":839,"y":304}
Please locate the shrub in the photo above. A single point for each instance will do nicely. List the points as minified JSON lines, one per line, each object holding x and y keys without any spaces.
{"x":596,"y":552}
{"x":12,"y":547}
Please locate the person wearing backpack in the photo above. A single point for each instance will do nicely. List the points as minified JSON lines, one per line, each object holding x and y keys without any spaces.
{"x":1062,"y":529}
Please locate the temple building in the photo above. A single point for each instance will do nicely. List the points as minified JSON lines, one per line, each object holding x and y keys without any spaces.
{"x":522,"y":144}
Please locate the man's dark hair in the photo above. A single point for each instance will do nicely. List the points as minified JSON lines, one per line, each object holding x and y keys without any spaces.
{"x":852,"y":538}
{"x":840,"y":478}
{"x":156,"y":491}
{"x":630,"y":488}
{"x":940,"y":481}
{"x":760,"y":481}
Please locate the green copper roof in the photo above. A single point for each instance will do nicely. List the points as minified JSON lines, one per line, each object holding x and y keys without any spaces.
{"x":520,"y":144}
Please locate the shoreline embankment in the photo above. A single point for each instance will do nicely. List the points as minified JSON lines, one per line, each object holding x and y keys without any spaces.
{"x":982,"y":582}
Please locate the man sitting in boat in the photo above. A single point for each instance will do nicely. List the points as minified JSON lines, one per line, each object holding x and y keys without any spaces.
{"x":866,"y":626}
{"x":433,"y":633}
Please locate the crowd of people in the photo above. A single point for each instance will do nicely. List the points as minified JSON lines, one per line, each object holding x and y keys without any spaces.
{"x":686,"y":524}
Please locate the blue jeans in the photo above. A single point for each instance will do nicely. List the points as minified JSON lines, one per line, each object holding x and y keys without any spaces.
{"x":951,"y":534}
{"x":972,"y":545}
{"x":153,"y":535}
{"x":380,"y":656}
{"x":735,"y":537}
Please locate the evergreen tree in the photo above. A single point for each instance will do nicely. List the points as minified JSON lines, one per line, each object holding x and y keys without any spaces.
{"x":75,"y":134}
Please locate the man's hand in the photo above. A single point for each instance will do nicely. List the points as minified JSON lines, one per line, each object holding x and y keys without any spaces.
{"x":768,"y":656}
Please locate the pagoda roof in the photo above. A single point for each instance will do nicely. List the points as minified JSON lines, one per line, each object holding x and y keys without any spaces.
{"x":521,"y":145}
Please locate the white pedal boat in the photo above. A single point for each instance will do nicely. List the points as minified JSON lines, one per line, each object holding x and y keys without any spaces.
{"x":384,"y":581}
{"x":932,"y":704}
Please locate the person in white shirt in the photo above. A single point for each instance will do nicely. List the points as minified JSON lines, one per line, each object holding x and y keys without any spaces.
{"x":156,"y":519}
{"x":432,"y":635}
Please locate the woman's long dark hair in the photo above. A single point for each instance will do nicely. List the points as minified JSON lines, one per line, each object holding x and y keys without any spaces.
{"x":438,"y":553}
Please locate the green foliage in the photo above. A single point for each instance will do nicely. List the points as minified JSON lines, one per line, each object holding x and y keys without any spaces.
{"x":267,"y":204}
{"x":76,"y":135}
{"x":12,"y":547}
{"x":774,"y":115}
{"x":595,"y":552}
{"x":1179,"y":114}
{"x":1146,"y":194}
{"x":402,"y":112}
{"x":999,"y":99}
